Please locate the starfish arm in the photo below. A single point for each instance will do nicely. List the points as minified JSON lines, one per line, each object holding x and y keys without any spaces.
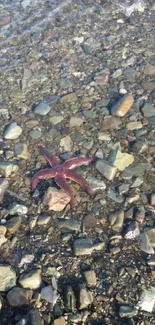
{"x":76,"y":162}
{"x":43,"y":174}
{"x":48,"y":156}
{"x":80,"y":180}
{"x":61,"y":181}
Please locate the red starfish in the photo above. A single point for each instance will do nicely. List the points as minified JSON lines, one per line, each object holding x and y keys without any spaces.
{"x":61,"y":172}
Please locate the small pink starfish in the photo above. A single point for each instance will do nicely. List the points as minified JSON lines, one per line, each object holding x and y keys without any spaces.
{"x":61,"y":172}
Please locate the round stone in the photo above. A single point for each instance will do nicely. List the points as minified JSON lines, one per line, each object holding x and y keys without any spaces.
{"x":13,"y":131}
{"x":42,"y":109}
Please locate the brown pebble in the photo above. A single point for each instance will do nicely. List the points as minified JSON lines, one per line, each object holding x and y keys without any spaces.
{"x":123,"y":105}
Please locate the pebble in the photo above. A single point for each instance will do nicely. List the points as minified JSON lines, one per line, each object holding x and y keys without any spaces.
{"x":66,"y":143}
{"x":116,"y":220}
{"x":85,"y":298}
{"x":56,"y":119}
{"x":134,"y":125}
{"x":106,"y":169}
{"x":42,"y":109}
{"x":43,"y":220}
{"x":140,"y":146}
{"x":69,"y":98}
{"x":90,"y":278}
{"x":13,"y":224}
{"x":76,"y":122}
{"x":121,"y":160}
{"x":7,"y":168}
{"x":68,"y":224}
{"x":148,"y":110}
{"x":113,"y":194}
{"x":27,"y":259}
{"x":60,"y":321}
{"x":3,"y":187}
{"x":147,"y":300}
{"x":96,"y":184}
{"x":111,"y":123}
{"x":84,"y":246}
{"x":16,"y":208}
{"x":137,"y":169}
{"x":145,"y":244}
{"x":149,"y":69}
{"x":115,"y":250}
{"x":127,"y":311}
{"x":13,"y":131}
{"x":49,"y":294}
{"x":7,"y":277}
{"x":32,"y":317}
{"x":31,"y":280}
{"x":152,"y":199}
{"x":35,"y":134}
{"x":18,"y":296}
{"x":131,"y":230}
{"x":55,"y":199}
{"x":21,"y":151}
{"x":138,"y":181}
{"x":122,"y":107}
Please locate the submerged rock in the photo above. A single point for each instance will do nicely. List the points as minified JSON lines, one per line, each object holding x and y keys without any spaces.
{"x":7,"y":277}
{"x":84,"y":246}
{"x":30,"y":280}
{"x":18,"y":296}
{"x":122,"y":107}
{"x":121,"y":160}
{"x":106,"y":169}
{"x":55,"y":199}
{"x":42,"y":109}
{"x":3,"y":187}
{"x":13,"y":131}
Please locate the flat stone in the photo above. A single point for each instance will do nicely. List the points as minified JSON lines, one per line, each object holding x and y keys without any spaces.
{"x":55,"y":199}
{"x":42,"y":109}
{"x":147,"y":300}
{"x":35,"y":134}
{"x":89,"y":114}
{"x":13,"y":131}
{"x":148,"y":84}
{"x":130,"y":74}
{"x":66,"y":143}
{"x":152,"y":199}
{"x":123,"y":188}
{"x":85,"y":298}
{"x":26,"y":259}
{"x":19,"y":297}
{"x":75,"y":121}
{"x":68,"y":224}
{"x":149,"y":69}
{"x":96,"y":184}
{"x":43,"y":220}
{"x":3,"y":187}
{"x":60,"y":321}
{"x":134,"y":125}
{"x":145,"y":244}
{"x":131,"y":230}
{"x":137,"y":169}
{"x":102,"y":78}
{"x":138,"y":181}
{"x":7,"y":277}
{"x":116,"y":220}
{"x":30,"y":280}
{"x":7,"y":168}
{"x":49,"y":294}
{"x":111,"y":123}
{"x":127,"y":311}
{"x":3,"y":230}
{"x":13,"y":224}
{"x":21,"y":151}
{"x":83,"y":246}
{"x":140,"y":146}
{"x":115,"y":196}
{"x":69,"y":98}
{"x":16,"y":208}
{"x":121,"y":160}
{"x":56,"y":119}
{"x":90,"y":278}
{"x":105,"y":168}
{"x":148,"y":110}
{"x":32,"y":317}
{"x":122,"y":107}
{"x":90,"y":221}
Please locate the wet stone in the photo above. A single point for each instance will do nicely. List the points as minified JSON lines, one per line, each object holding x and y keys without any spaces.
{"x":66,"y":143}
{"x":90,"y":278}
{"x":69,"y":298}
{"x":145,"y":244}
{"x":114,"y":195}
{"x":84,"y":246}
{"x":140,"y":146}
{"x":69,"y":98}
{"x":138,"y":181}
{"x":85,"y":298}
{"x":32,"y":317}
{"x":89,"y":114}
{"x":148,"y":110}
{"x":18,"y":296}
{"x":75,"y":121}
{"x":21,"y":151}
{"x":68,"y":224}
{"x":152,"y":199}
{"x":49,"y":294}
{"x":55,"y":199}
{"x":136,"y":169}
{"x":16,"y":208}
{"x":115,"y":250}
{"x":13,"y":224}
{"x":35,"y":134}
{"x":122,"y":107}
{"x":31,"y":280}
{"x":43,"y":220}
{"x":3,"y":239}
{"x":56,"y":119}
{"x":7,"y":277}
{"x":90,"y":221}
{"x":134,"y":125}
{"x":13,"y":131}
{"x":147,"y":300}
{"x":3,"y":187}
{"x":116,"y":220}
{"x":60,"y":321}
{"x":7,"y":168}
{"x":111,"y":123}
{"x":149,"y":69}
{"x":121,"y":160}
{"x":127,"y":311}
{"x":124,"y":188}
{"x":42,"y":109}
{"x":106,"y":169}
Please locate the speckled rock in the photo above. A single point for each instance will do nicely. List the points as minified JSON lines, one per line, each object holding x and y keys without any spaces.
{"x":13,"y":131}
{"x":18,"y":296}
{"x":75,"y":121}
{"x":122,"y":107}
{"x":7,"y":277}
